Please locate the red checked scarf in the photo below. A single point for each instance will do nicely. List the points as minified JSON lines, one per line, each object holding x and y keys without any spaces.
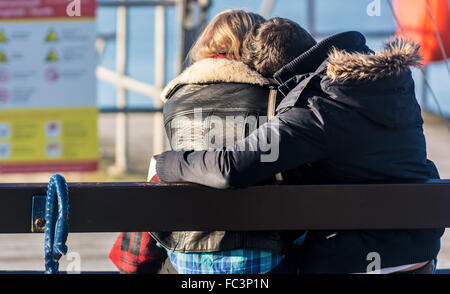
{"x":136,"y":252}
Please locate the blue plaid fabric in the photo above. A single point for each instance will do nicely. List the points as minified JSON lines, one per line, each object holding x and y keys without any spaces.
{"x":225,"y":262}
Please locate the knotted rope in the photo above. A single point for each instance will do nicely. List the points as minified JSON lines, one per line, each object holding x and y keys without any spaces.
{"x":56,"y":222}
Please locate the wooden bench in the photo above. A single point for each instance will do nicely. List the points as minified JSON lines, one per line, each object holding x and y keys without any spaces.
{"x":117,"y":207}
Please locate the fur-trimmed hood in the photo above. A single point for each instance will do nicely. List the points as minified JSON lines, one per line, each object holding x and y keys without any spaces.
{"x":397,"y":56}
{"x":377,"y":85}
{"x":215,"y":70}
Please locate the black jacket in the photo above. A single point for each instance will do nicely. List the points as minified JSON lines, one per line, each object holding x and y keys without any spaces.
{"x":352,"y":116}
{"x":214,"y":103}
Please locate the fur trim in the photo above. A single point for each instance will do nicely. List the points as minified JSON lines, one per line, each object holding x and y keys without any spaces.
{"x":215,"y":70}
{"x":398,"y":55}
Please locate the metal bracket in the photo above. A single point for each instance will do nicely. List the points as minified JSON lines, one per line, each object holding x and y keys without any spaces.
{"x":38,"y":214}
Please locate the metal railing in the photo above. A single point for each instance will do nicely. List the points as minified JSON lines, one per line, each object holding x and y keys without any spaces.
{"x":124,"y":83}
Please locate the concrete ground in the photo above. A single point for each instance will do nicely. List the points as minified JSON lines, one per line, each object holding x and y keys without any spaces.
{"x":25,"y":252}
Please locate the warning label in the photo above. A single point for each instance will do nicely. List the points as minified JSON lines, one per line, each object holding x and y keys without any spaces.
{"x":3,"y":58}
{"x":52,"y":56}
{"x":48,"y":112}
{"x":51,"y":36}
{"x":3,"y":38}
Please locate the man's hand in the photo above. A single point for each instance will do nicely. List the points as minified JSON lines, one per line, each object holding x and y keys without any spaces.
{"x":152,"y":168}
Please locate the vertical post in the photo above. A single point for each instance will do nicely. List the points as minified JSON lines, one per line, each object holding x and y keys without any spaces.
{"x":193,"y":19}
{"x":121,"y":150}
{"x":312,"y":18}
{"x":205,"y":5}
{"x":181,"y":7}
{"x":160,"y":61}
{"x":266,"y":8}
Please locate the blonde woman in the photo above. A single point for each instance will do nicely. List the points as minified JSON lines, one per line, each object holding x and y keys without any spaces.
{"x":197,"y":104}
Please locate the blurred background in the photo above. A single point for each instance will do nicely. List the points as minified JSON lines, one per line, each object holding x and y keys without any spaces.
{"x":140,"y":47}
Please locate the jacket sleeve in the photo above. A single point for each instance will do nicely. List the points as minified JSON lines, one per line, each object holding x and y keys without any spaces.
{"x":292,"y":138}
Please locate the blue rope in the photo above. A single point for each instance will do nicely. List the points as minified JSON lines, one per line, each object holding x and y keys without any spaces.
{"x":56,"y":226}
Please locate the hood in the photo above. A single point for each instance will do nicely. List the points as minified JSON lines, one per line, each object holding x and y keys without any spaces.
{"x":214,"y":70}
{"x":397,"y":56}
{"x":309,"y":61}
{"x":378,"y":85}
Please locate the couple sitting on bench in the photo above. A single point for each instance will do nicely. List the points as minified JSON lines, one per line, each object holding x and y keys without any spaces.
{"x":264,"y":103}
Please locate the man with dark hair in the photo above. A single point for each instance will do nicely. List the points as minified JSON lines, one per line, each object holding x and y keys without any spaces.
{"x":274,"y":43}
{"x":351,"y":116}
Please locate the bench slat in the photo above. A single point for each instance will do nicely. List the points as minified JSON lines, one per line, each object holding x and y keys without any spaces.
{"x":114,"y":207}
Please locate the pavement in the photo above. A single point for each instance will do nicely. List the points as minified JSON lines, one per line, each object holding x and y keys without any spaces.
{"x":19,"y":252}
{"x":437,"y":135}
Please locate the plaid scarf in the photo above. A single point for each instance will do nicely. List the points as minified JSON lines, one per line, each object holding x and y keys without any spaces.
{"x":137,"y":253}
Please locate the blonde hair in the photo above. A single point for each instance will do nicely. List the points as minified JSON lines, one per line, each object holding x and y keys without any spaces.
{"x":224,"y":34}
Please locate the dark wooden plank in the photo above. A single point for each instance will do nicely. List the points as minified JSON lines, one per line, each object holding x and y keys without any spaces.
{"x":112,"y":207}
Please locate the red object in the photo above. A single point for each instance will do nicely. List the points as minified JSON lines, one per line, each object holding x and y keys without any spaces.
{"x":137,"y":252}
{"x":225,"y":56}
{"x":155,"y":179}
{"x":417,"y":25}
{"x":52,"y":74}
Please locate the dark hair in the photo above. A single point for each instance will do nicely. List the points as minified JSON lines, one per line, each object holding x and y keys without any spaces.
{"x":274,"y":43}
